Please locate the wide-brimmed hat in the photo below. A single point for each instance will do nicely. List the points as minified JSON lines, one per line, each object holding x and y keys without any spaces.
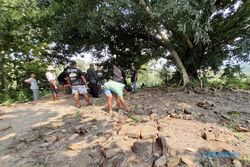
{"x":50,"y":68}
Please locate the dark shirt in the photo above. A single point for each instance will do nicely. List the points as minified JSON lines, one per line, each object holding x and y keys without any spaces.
{"x":74,"y":75}
{"x":133,"y":76}
{"x":92,"y":75}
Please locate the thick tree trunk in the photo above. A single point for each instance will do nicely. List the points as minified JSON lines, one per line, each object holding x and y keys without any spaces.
{"x":169,"y":46}
{"x":4,"y":82}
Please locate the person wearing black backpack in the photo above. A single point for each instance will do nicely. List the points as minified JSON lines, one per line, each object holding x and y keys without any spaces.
{"x":93,"y":81}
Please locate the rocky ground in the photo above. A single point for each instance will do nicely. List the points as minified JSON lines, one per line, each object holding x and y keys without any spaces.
{"x":166,"y":128}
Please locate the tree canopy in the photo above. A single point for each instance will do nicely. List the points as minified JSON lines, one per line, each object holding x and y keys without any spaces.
{"x":192,"y":35}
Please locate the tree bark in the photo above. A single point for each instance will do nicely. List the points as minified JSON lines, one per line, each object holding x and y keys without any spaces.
{"x":4,"y":81}
{"x":169,"y":46}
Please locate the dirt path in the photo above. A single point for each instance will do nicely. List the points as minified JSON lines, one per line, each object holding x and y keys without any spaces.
{"x":57,"y":134}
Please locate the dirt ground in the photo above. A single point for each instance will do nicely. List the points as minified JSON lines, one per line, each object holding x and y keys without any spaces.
{"x":166,"y":128}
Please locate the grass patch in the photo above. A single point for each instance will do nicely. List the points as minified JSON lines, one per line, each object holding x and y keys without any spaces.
{"x":241,"y":136}
{"x":246,"y":160}
{"x":135,"y":118}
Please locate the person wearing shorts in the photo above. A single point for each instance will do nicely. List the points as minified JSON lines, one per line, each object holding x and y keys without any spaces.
{"x":78,"y":83}
{"x":51,"y":77}
{"x":113,"y":89}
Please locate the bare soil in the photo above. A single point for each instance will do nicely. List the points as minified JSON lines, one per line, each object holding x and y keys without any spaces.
{"x":164,"y":123}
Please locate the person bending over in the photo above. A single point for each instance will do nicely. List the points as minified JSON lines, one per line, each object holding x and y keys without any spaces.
{"x":115,"y":90}
{"x":78,"y":83}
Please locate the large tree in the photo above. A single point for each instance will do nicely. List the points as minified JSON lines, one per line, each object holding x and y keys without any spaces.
{"x":192,"y":34}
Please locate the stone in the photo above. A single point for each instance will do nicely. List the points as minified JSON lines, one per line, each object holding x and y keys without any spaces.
{"x":48,"y":144}
{"x":130,"y":131}
{"x":153,"y":116}
{"x":241,"y":129}
{"x":110,"y":153}
{"x":75,"y":147}
{"x":186,"y":160}
{"x":164,"y":143}
{"x":178,"y":110}
{"x":80,"y":130}
{"x":139,"y":111}
{"x":237,"y":163}
{"x":143,"y":147}
{"x":51,"y":139}
{"x":73,"y":137}
{"x":120,"y":160}
{"x":248,"y":121}
{"x":173,"y":161}
{"x":134,"y":132}
{"x":145,"y":119}
{"x":148,"y":132}
{"x":208,"y":105}
{"x":172,"y":152}
{"x":208,"y":135}
{"x":164,"y":131}
{"x":161,"y":162}
{"x":187,"y":112}
{"x":5,"y":128}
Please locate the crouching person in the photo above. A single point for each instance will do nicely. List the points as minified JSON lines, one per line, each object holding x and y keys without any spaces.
{"x":114,"y":90}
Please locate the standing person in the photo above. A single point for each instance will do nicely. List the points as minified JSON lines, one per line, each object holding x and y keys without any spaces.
{"x":93,"y":80}
{"x":133,"y":78}
{"x":100,"y":74}
{"x":115,"y":90}
{"x":77,"y":82}
{"x":33,"y":86}
{"x":117,"y":74}
{"x":63,"y":81}
{"x":51,"y":77}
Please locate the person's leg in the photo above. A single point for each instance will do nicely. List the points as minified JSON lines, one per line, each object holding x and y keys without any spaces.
{"x":35,"y":94}
{"x":82,"y":89}
{"x":122,"y":103}
{"x":56,"y":94}
{"x":77,"y":99}
{"x":110,"y":99}
{"x":118,"y":103}
{"x":135,"y":87}
{"x":95,"y":90}
{"x":75,"y":94}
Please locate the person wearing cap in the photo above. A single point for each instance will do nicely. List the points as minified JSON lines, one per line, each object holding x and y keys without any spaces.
{"x":113,"y":89}
{"x":51,"y":77}
{"x":78,"y":83}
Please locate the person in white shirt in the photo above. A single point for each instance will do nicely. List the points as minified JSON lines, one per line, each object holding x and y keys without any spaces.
{"x":51,"y":77}
{"x":33,"y":86}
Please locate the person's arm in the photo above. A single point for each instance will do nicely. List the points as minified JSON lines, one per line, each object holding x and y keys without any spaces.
{"x":84,"y":80}
{"x":96,"y":76}
{"x":68,"y":81}
{"x":28,"y":80}
{"x":53,"y":82}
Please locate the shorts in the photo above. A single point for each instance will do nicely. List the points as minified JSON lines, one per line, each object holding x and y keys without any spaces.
{"x":79,"y":89}
{"x":108,"y":92}
{"x":53,"y":89}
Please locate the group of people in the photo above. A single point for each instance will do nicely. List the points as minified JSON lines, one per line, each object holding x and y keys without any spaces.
{"x":84,"y":84}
